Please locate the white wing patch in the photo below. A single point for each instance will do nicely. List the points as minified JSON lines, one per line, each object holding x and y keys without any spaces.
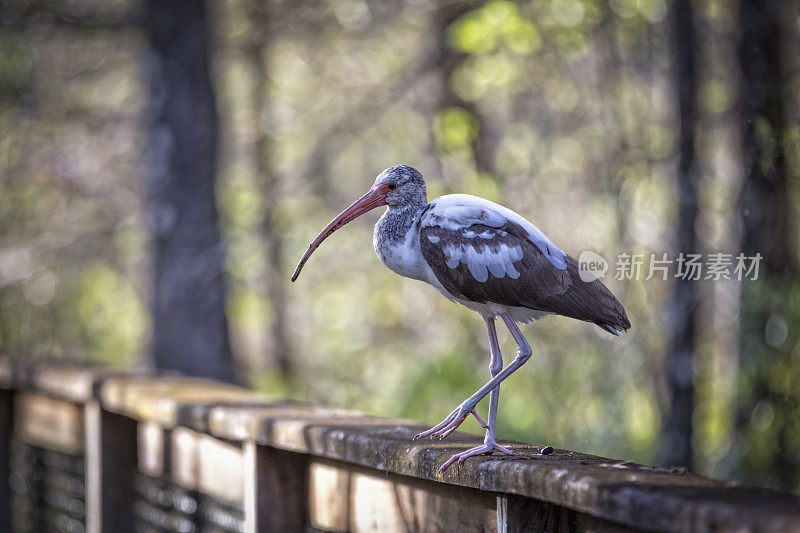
{"x":482,"y":261}
{"x":433,"y":238}
{"x":457,"y":212}
{"x":486,"y":234}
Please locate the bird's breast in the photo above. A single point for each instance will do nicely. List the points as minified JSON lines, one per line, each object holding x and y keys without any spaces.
{"x":402,"y":256}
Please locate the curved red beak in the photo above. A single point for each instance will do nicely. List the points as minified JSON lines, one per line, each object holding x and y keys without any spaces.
{"x":375,"y":197}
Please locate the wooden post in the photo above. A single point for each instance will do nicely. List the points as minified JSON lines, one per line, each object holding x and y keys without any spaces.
{"x":111,"y":465}
{"x":275,"y":489}
{"x":6,"y":427}
{"x":516,"y":514}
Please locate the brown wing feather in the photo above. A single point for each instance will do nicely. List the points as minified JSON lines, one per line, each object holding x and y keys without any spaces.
{"x":541,"y":286}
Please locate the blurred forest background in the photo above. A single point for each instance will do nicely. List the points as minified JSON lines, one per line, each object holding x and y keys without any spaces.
{"x":164,"y":164}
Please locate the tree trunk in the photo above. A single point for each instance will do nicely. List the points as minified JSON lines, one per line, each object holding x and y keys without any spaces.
{"x":190,"y":331}
{"x":447,"y":61}
{"x":676,"y":444}
{"x":767,"y":426}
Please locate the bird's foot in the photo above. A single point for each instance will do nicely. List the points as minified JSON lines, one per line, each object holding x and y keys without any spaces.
{"x":485,"y":448}
{"x":451,"y":422}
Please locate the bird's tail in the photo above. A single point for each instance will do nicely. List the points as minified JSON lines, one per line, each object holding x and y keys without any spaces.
{"x":591,"y":301}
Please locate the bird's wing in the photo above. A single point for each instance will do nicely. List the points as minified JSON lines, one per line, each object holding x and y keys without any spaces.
{"x":479,"y":254}
{"x":483,"y":264}
{"x":460,"y":211}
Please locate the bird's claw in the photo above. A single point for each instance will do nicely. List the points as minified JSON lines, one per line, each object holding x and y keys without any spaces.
{"x":483,"y":449}
{"x":451,"y":423}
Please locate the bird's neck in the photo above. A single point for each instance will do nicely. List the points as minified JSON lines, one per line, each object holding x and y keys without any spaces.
{"x":397,"y":243}
{"x":395,"y":223}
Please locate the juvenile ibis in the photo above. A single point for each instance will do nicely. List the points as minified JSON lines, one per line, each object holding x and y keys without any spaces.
{"x":485,"y":257}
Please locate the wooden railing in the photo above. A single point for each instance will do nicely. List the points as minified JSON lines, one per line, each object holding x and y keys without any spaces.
{"x":92,"y":449}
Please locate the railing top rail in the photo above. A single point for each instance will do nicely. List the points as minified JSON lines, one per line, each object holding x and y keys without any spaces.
{"x":619,"y":491}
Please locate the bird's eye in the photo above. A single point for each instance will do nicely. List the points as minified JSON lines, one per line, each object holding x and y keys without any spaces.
{"x":392,"y":185}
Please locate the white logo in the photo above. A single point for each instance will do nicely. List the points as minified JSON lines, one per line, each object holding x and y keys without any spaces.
{"x":591,"y":266}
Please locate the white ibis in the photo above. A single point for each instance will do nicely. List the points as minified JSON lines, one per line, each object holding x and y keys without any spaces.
{"x":486,"y":257}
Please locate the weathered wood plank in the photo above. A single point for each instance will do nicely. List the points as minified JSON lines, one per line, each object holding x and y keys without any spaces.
{"x":207,"y":464}
{"x":64,"y":379}
{"x":153,"y":449}
{"x":77,"y":384}
{"x":346,"y":497}
{"x":49,"y":423}
{"x":169,"y":399}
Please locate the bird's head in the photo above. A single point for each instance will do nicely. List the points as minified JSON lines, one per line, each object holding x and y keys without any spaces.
{"x":403,"y":185}
{"x":397,"y":187}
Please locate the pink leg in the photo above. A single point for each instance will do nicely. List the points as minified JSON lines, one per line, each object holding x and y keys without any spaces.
{"x":489,"y":442}
{"x":457,"y":416}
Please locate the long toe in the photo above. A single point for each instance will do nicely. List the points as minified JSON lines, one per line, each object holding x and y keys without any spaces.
{"x":483,"y":449}
{"x":434,"y":430}
{"x":483,"y":424}
{"x":502,"y":449}
{"x":448,"y":425}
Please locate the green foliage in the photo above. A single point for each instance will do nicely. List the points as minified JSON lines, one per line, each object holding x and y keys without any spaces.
{"x":455,"y":128}
{"x":715,"y":96}
{"x":110,"y":317}
{"x":496,"y":24}
{"x":482,"y":74}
